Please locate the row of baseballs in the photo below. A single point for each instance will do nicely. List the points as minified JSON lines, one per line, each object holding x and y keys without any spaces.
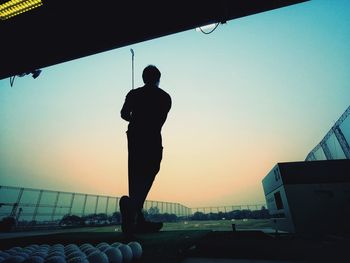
{"x":72,"y":253}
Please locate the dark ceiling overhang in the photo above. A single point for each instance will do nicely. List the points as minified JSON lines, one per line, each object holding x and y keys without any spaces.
{"x":60,"y":31}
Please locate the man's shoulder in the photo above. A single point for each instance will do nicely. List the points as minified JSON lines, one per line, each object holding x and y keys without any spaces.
{"x":146,"y":91}
{"x":164,"y":93}
{"x":134,"y":92}
{"x":137,"y":90}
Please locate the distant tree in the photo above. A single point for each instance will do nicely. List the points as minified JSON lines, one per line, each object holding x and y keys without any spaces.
{"x":263,"y":213}
{"x":212,"y":216}
{"x":115,"y":218}
{"x":72,"y":220}
{"x":158,"y":217}
{"x":89,"y":217}
{"x":222,"y":215}
{"x":153,"y":210}
{"x":199,"y":216}
{"x":101,"y":217}
{"x":164,"y":217}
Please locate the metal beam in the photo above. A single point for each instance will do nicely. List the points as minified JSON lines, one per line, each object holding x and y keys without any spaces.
{"x":311,"y":156}
{"x":342,"y":141}
{"x":326,"y":150}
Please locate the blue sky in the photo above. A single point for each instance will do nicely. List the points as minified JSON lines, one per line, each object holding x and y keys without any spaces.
{"x":259,"y":90}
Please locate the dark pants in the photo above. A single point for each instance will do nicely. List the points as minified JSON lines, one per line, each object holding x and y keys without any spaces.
{"x":145,"y":155}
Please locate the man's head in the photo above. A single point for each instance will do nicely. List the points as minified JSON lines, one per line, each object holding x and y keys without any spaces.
{"x":151,"y":75}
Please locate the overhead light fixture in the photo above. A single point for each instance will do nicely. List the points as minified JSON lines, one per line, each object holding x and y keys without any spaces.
{"x":15,"y":7}
{"x":36,"y":73}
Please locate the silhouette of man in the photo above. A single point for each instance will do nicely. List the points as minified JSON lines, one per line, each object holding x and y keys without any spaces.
{"x":146,"y":109}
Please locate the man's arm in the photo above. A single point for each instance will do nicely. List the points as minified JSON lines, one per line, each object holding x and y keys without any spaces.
{"x":166,"y":110}
{"x":126,"y":111}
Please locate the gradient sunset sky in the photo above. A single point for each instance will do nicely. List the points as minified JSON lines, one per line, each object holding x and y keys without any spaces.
{"x":258,"y":90}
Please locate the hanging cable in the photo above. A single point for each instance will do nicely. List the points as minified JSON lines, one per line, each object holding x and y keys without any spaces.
{"x":211,"y":31}
{"x":12,"y":79}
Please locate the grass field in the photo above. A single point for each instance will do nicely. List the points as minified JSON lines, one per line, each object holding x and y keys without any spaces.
{"x":220,"y":225}
{"x":212,"y":225}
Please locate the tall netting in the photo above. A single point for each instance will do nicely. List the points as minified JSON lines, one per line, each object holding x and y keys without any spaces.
{"x":49,"y":207}
{"x":37,"y":205}
{"x":226,"y":209}
{"x":167,"y":208}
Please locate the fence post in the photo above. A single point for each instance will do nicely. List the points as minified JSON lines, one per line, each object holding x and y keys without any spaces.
{"x":71,"y":204}
{"x":54,"y":206}
{"x":84,"y":205}
{"x":107,"y":205}
{"x":15,"y":206}
{"x":116,"y":204}
{"x":37,"y":205}
{"x":97,"y":197}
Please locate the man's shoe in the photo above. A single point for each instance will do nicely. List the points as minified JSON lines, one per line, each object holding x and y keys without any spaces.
{"x":127,"y":215}
{"x":147,"y":227}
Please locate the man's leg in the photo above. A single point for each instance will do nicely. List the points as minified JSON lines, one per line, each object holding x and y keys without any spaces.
{"x":140,"y":185}
{"x":126,"y":203}
{"x":144,"y":160}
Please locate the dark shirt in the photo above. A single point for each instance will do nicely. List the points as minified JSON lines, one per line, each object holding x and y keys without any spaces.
{"x":146,"y":109}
